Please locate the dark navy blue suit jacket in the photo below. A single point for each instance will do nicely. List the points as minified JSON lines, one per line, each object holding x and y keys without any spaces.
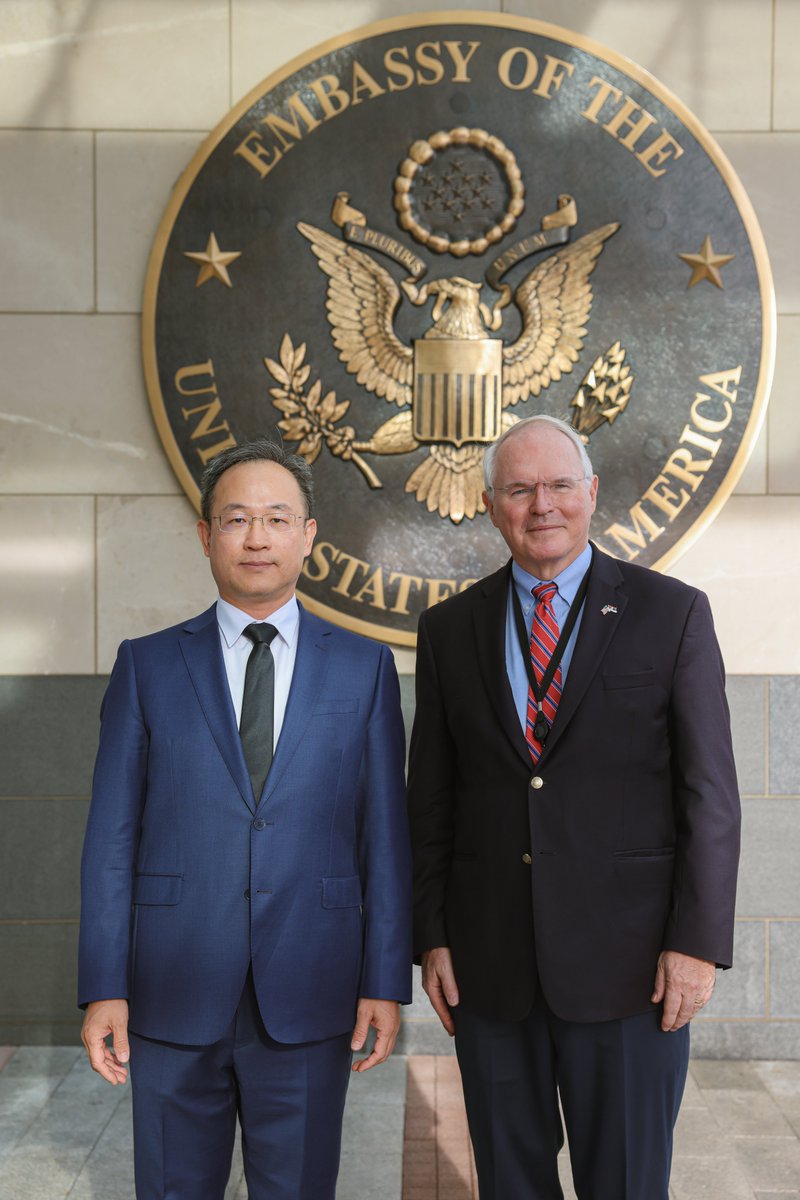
{"x":188,"y":877}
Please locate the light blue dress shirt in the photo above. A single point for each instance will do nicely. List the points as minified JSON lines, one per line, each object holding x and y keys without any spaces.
{"x":568,"y":583}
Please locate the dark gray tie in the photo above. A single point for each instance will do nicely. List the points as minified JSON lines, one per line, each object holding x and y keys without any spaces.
{"x":257,"y":723}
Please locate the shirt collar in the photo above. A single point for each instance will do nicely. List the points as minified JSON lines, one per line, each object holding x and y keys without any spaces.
{"x":567,"y":582}
{"x":232,"y":621}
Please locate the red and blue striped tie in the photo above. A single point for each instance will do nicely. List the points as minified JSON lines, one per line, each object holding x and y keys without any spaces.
{"x":544,"y":638}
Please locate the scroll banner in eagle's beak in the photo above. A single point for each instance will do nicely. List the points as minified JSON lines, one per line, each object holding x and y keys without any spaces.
{"x":555,"y":229}
{"x":353,"y":225}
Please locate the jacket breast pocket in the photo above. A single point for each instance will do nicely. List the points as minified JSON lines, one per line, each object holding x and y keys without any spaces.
{"x":157,"y":889}
{"x":326,"y":707}
{"x":629,"y":679}
{"x":341,"y":891}
{"x":646,"y":852}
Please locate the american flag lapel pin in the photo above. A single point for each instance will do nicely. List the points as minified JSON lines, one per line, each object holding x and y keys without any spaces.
{"x":608,"y":608}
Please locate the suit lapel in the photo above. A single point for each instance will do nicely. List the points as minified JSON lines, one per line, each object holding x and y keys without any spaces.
{"x":596,"y":631}
{"x":489,"y":617}
{"x":202,"y":654}
{"x":308,"y":677}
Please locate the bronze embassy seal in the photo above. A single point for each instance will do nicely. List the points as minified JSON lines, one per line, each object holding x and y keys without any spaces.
{"x":419,"y":233}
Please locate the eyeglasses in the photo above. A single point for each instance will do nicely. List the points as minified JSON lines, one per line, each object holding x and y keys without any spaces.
{"x":523,"y":493}
{"x":276,"y":522}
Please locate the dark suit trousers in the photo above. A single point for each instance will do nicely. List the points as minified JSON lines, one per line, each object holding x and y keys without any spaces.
{"x":289,"y":1099}
{"x":620,"y":1083}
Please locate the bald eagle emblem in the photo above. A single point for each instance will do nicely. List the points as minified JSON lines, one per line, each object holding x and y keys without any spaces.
{"x":457,"y":386}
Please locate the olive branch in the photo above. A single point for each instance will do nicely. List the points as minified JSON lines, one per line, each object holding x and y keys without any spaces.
{"x":309,"y":417}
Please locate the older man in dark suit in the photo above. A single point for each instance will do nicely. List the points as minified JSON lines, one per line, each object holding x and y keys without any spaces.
{"x":575,"y":820}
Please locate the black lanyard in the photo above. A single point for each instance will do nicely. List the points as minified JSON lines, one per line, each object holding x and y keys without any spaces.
{"x":542,"y":728}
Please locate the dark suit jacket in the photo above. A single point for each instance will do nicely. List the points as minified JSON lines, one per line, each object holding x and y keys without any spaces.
{"x":188,"y":877}
{"x":630,"y":818}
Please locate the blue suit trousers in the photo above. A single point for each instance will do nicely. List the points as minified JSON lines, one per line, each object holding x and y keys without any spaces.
{"x":620,"y":1084}
{"x":289,"y":1100}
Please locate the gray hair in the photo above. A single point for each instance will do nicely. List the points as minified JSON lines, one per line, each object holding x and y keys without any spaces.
{"x":540,"y":419}
{"x":259,"y":450}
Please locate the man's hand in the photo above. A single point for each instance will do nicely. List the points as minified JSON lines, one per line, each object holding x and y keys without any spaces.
{"x":685,"y":984}
{"x":439,"y":981}
{"x":384,"y":1015}
{"x":104,"y":1017}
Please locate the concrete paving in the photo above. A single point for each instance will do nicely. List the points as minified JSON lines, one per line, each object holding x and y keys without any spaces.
{"x":64,"y":1135}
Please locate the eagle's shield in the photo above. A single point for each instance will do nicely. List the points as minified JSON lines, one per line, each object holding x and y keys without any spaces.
{"x":457,"y":384}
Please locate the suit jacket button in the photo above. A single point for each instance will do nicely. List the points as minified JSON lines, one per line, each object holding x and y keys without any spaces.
{"x":259,"y":823}
{"x":537,"y":782}
{"x":247,"y":893}
{"x":526,"y":858}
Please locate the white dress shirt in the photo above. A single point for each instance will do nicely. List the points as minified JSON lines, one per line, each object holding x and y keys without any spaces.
{"x":236,"y":650}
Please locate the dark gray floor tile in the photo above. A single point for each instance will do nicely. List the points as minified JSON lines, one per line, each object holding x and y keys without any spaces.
{"x":381,"y":1085}
{"x":769,"y":880}
{"x":48,"y":730}
{"x":108,"y":1170}
{"x":747,"y":698}
{"x":424,"y":1037}
{"x":784,"y":721}
{"x":54,"y":1149}
{"x":27,"y":1084}
{"x":40,"y":851}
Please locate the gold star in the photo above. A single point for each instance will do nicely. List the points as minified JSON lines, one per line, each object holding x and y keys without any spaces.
{"x":213,"y":262}
{"x":706,"y":264}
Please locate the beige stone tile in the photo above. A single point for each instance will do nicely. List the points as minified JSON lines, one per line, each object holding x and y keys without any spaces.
{"x":783,"y":414}
{"x":769,"y":1163}
{"x":47,"y":594}
{"x":753,"y":479}
{"x":719,"y":1075}
{"x":715,"y":56}
{"x":768,"y":165}
{"x":697,"y":1133}
{"x":565,"y":1175}
{"x":786,"y":96}
{"x":692,"y":1096}
{"x":135,"y":175}
{"x":781,"y":1079}
{"x":130,"y":64}
{"x":404,"y":660}
{"x":745,"y":1113}
{"x":265,"y":34}
{"x":74,"y":416}
{"x":708,"y":1178}
{"x":747,"y":562}
{"x":47,"y":227}
{"x":151,"y":571}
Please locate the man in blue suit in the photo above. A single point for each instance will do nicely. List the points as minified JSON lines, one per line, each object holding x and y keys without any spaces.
{"x":246,"y":917}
